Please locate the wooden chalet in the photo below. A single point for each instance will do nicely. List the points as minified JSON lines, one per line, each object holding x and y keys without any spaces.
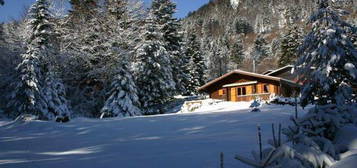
{"x":241,"y":85}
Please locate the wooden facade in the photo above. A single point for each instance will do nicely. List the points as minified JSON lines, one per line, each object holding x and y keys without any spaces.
{"x":246,"y":86}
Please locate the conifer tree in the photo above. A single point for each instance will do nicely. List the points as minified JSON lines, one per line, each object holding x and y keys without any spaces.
{"x":123,"y":98}
{"x":289,"y":46}
{"x":327,"y":68}
{"x":197,"y":64}
{"x":55,"y":96}
{"x":82,"y":10}
{"x":117,"y":8}
{"x":328,"y":59}
{"x":237,"y":53}
{"x":186,"y":69}
{"x":153,"y":73}
{"x":163,"y":11}
{"x":38,"y":91}
{"x":260,"y":51}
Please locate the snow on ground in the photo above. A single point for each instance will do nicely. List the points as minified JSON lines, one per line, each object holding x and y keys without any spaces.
{"x":4,"y":122}
{"x":174,"y":140}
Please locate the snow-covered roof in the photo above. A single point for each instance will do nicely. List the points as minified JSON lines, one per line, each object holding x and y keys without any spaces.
{"x":287,"y":67}
{"x":240,"y":84}
{"x":268,"y":71}
{"x":272,"y":78}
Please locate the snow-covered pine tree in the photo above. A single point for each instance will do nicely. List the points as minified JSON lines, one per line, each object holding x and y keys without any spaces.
{"x":255,"y":105}
{"x":123,"y":98}
{"x":260,"y":50}
{"x":163,"y":11}
{"x":237,"y":52}
{"x":328,"y":59}
{"x":327,"y":68}
{"x":88,"y":35}
{"x":125,"y":18}
{"x":85,"y":36}
{"x":290,"y":42}
{"x":117,"y":8}
{"x":55,"y":96}
{"x":82,"y":10}
{"x":197,"y":64}
{"x":186,"y":69}
{"x":219,"y":57}
{"x":37,"y":91}
{"x":152,"y":70}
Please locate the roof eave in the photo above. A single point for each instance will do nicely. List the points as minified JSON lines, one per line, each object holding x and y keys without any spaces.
{"x":202,"y":88}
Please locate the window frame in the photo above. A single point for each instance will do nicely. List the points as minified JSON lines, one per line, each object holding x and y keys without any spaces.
{"x":239,"y":91}
{"x":266,"y":88}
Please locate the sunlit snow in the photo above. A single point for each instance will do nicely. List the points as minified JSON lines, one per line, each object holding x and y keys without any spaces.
{"x":174,"y":140}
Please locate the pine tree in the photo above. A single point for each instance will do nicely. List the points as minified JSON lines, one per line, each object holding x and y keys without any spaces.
{"x":260,"y":50}
{"x":163,"y":11}
{"x":219,"y":57}
{"x":123,"y":100}
{"x":197,"y":64}
{"x":186,"y":69}
{"x":89,"y":41}
{"x":327,"y":68}
{"x":38,"y":90}
{"x":55,"y":96}
{"x":153,"y":73}
{"x":289,"y":46}
{"x":82,"y":10}
{"x":117,"y":8}
{"x":237,"y":53}
{"x":328,"y":59}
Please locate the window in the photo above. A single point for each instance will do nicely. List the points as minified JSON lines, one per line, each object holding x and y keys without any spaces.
{"x":266,"y":88}
{"x":222,"y":92}
{"x":239,"y":90}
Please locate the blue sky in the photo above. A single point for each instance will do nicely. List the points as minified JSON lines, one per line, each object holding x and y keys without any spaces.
{"x":13,"y":9}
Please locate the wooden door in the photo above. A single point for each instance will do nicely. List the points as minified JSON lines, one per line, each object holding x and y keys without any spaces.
{"x":233,"y":94}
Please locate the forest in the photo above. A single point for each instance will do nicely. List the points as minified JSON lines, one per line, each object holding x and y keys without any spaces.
{"x":99,"y":59}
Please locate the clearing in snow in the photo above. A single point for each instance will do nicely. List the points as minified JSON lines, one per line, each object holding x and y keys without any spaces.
{"x":174,"y":140}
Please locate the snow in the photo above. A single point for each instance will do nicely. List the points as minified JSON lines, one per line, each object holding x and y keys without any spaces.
{"x":174,"y":140}
{"x":4,"y":122}
{"x":346,"y":138}
{"x":235,"y":3}
{"x":351,"y":69}
{"x":212,"y":106}
{"x":349,"y":162}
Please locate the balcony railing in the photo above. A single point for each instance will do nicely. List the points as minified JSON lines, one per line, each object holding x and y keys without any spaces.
{"x":264,"y":96}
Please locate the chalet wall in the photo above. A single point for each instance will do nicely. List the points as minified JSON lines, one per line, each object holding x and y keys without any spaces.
{"x":215,"y":95}
{"x":231,"y":93}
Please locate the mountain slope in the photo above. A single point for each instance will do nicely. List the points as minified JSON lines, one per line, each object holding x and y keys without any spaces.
{"x":228,"y":20}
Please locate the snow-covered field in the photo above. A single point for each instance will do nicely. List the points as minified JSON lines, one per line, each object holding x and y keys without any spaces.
{"x":171,"y":141}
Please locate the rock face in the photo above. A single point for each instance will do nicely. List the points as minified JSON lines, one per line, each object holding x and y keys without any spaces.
{"x":232,"y":19}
